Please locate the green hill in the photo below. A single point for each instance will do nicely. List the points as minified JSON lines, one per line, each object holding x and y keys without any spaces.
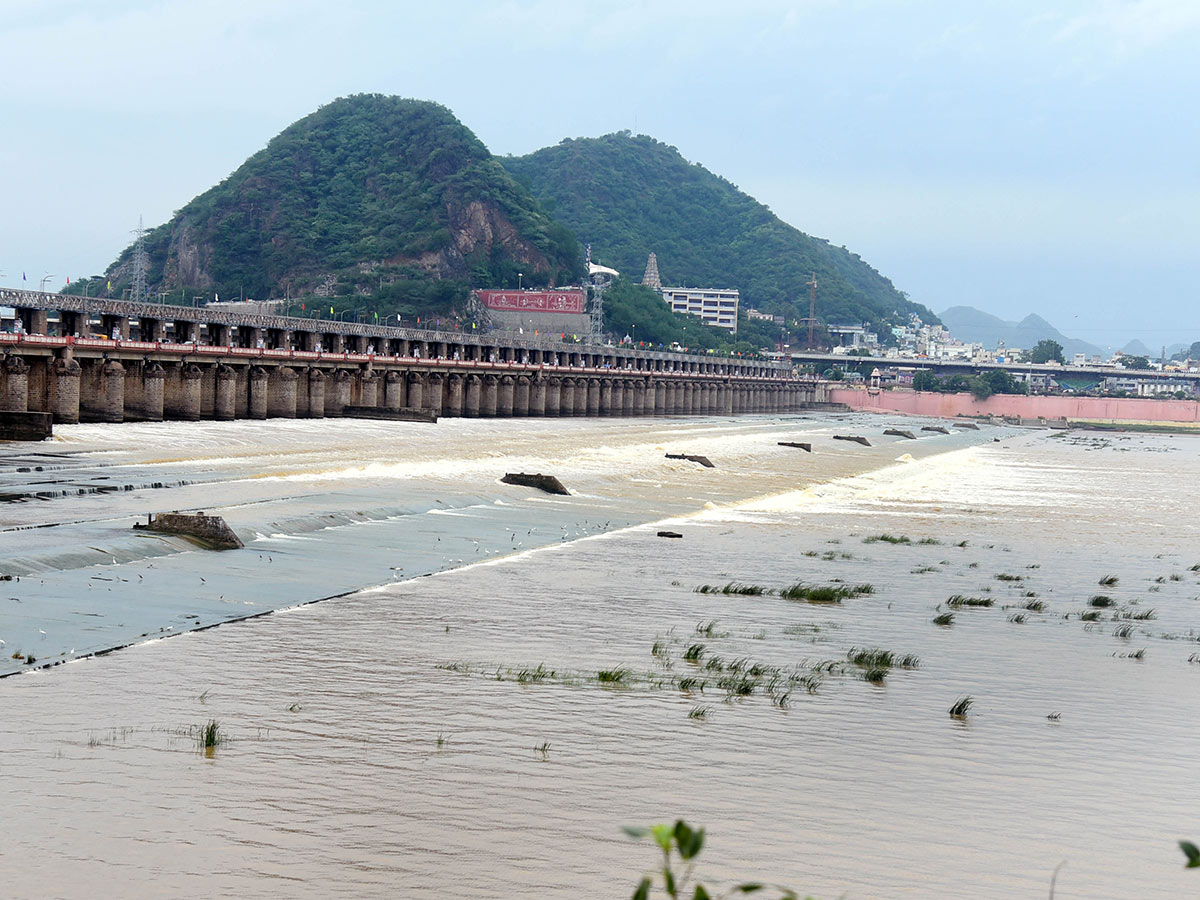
{"x":368,"y":197}
{"x":629,"y":196}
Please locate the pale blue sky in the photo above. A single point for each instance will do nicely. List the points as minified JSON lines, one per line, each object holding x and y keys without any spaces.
{"x":1015,"y":156}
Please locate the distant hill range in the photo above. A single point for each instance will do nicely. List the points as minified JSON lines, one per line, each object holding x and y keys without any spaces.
{"x":394,"y":205}
{"x":629,"y":195}
{"x":975,"y":326}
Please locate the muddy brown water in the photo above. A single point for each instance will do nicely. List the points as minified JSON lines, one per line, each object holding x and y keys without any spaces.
{"x":384,"y":743}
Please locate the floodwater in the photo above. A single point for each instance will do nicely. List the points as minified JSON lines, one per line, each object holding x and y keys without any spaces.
{"x":401,"y":741}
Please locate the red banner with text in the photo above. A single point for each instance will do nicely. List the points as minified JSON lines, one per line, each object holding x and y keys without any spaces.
{"x":534,"y":301}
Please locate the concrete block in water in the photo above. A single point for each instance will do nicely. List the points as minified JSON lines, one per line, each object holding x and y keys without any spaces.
{"x":702,"y":460}
{"x":25,"y":426}
{"x":211,"y":531}
{"x":807,"y":448}
{"x":547,"y":483}
{"x":896,"y":432}
{"x":938,"y":428}
{"x":858,"y":439}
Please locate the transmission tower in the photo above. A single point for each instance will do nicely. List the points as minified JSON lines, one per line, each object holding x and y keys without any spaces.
{"x":597,"y":319}
{"x":137,"y":292}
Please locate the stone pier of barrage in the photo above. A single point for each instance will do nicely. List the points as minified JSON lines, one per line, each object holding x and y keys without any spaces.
{"x":152,"y":362}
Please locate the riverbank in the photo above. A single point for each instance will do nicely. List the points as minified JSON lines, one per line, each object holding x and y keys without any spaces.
{"x":1109,"y":410}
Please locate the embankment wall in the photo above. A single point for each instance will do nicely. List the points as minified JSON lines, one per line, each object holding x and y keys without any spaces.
{"x":1095,"y":409}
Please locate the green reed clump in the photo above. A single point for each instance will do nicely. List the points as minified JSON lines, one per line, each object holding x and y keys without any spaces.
{"x":1109,"y":580}
{"x":1018,"y":618}
{"x":689,"y":685}
{"x":959,"y":601}
{"x":928,"y":542}
{"x":923,"y":570}
{"x":1005,"y":576}
{"x":733,"y":587}
{"x":693,"y":653}
{"x":706,"y":628}
{"x":1091,"y":616}
{"x":715,"y":663}
{"x":876,"y":658}
{"x":659,"y":650}
{"x":1175,"y":576}
{"x":944,"y":619}
{"x":698,"y":712}
{"x":960,"y":707}
{"x":962,"y":544}
{"x":875,"y":675}
{"x":619,"y":675}
{"x":824,"y":593}
{"x":737,"y":685}
{"x":1100,"y":601}
{"x":887,"y":539}
{"x":1144,"y":616}
{"x":533,"y":676}
{"x":1035,"y":606}
{"x":1137,"y":654}
{"x":1123,"y":631}
{"x":211,"y":735}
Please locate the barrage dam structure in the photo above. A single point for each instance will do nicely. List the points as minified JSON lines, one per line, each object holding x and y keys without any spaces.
{"x":153,"y":362}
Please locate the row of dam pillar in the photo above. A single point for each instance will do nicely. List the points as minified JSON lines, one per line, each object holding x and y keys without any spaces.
{"x":105,"y":390}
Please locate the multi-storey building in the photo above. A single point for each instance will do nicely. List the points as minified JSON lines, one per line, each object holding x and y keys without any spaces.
{"x":715,"y":306}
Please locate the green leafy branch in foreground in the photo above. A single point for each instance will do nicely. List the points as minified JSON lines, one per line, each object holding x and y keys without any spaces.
{"x":686,"y":842}
{"x":1192,"y":852}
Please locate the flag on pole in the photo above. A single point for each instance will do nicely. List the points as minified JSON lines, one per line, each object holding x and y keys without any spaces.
{"x":301,"y":307}
{"x":331,"y":310}
{"x":68,"y":279}
{"x":23,"y":278}
{"x":377,"y":316}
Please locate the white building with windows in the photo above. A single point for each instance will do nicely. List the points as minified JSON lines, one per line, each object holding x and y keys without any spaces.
{"x":713,"y":305}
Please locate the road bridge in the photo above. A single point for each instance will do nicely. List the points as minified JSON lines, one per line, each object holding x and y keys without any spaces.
{"x":113,"y":361}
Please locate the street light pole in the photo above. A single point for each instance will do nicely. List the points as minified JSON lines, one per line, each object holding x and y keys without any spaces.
{"x":520,"y":278}
{"x":45,"y":278}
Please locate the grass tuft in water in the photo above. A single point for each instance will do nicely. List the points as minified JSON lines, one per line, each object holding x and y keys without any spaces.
{"x":875,"y":675}
{"x":944,"y":619}
{"x":1090,"y":616}
{"x":1109,"y":580}
{"x":1100,"y":601}
{"x":960,"y":707}
{"x":733,"y":587}
{"x":1035,"y":606}
{"x":887,"y":539}
{"x":688,"y":685}
{"x":619,"y":675}
{"x":693,"y":653}
{"x":959,"y":601}
{"x":699,"y":712}
{"x":1005,"y":576}
{"x":1123,"y":631}
{"x":1018,"y":618}
{"x":211,"y":736}
{"x":824,"y":593}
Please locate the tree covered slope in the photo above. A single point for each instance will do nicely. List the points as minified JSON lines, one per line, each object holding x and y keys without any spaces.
{"x":365,"y":192}
{"x":630,"y":195}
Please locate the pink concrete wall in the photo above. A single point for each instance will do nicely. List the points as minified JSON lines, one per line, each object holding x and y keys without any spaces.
{"x":949,"y":405}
